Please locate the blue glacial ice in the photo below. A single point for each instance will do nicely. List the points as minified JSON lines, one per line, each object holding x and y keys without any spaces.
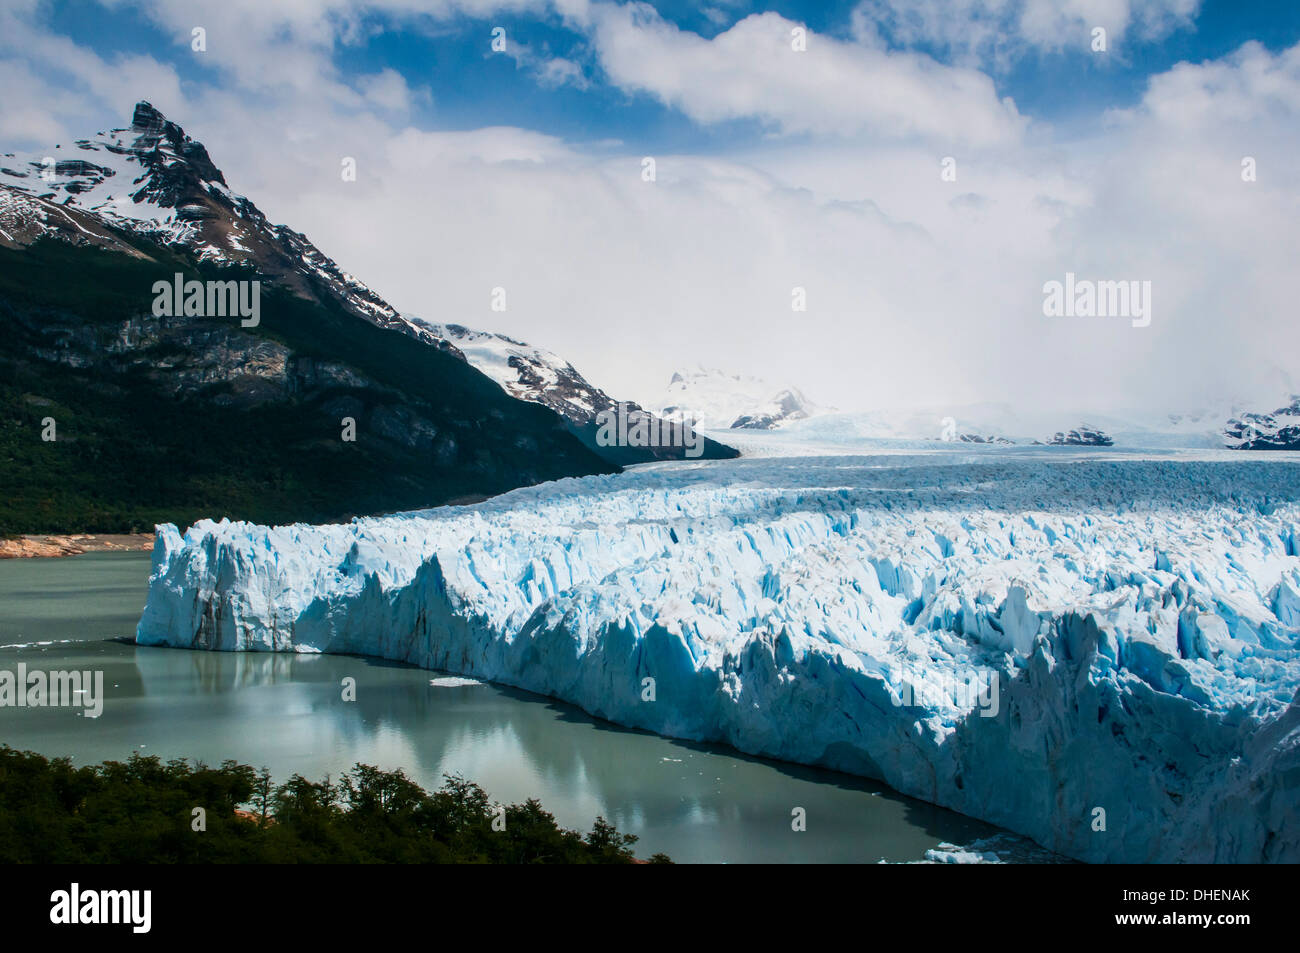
{"x":1101,"y":654}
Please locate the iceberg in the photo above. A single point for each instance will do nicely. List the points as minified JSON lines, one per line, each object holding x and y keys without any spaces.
{"x":1100,"y":654}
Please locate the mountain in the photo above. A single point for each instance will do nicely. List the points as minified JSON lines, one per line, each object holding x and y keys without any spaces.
{"x":984,"y":424}
{"x":522,"y":370}
{"x":543,"y":377}
{"x":1279,"y":430}
{"x":984,"y":438}
{"x":25,"y":219}
{"x":781,"y":407}
{"x":153,"y":182}
{"x":1082,"y":436}
{"x":116,"y":413}
{"x":717,"y":400}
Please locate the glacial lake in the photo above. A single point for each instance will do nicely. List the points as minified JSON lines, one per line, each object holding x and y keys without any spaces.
{"x":286,"y":712}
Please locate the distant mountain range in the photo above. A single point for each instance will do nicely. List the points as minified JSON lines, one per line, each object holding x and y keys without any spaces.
{"x":1006,"y":425}
{"x":1279,"y":430}
{"x":1083,"y":436}
{"x":332,"y":404}
{"x":543,"y":377}
{"x":150,"y":182}
{"x":717,"y":400}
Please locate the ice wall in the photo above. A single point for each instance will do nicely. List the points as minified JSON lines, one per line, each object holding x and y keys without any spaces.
{"x":1139,"y":619}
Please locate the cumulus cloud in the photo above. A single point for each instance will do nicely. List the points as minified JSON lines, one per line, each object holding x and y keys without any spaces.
{"x":834,"y":87}
{"x":388,"y":90}
{"x":1249,"y":86}
{"x":1053,"y":24}
{"x":49,"y":73}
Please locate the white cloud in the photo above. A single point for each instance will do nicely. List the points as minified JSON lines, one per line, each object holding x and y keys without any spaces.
{"x":28,"y":117}
{"x":997,"y":31}
{"x":920,"y":291}
{"x":51,"y":73}
{"x":1251,"y":85}
{"x":561,"y":71}
{"x":834,"y":87}
{"x":389,"y":91}
{"x":1055,"y":24}
{"x":289,"y":44}
{"x":551,"y":72}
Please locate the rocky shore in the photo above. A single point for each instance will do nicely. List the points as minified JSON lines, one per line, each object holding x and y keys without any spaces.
{"x":74,"y":544}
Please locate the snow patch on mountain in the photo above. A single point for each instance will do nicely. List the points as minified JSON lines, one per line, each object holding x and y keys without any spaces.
{"x":25,"y":219}
{"x":991,"y":423}
{"x":152,"y":180}
{"x":720,"y":401}
{"x":522,"y":370}
{"x":1279,"y":430}
{"x":1082,"y":436}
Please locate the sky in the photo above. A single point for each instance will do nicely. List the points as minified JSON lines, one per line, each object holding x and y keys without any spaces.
{"x":915,"y":171}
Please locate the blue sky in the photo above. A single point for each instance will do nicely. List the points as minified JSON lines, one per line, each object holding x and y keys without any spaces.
{"x":471,"y":87}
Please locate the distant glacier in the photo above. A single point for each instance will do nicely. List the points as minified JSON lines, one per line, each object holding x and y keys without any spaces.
{"x":1139,"y":619}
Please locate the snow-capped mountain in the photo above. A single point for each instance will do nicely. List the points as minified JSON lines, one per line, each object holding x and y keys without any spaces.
{"x":522,"y":370}
{"x":716,"y":400}
{"x":153,"y":181}
{"x":25,"y":218}
{"x":539,"y":376}
{"x":1082,"y":436}
{"x":784,"y":406}
{"x":994,"y":423}
{"x":1279,"y":430}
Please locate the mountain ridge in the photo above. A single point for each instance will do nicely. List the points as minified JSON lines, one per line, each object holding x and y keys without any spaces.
{"x":115,"y":415}
{"x":151,"y":181}
{"x":717,"y":400}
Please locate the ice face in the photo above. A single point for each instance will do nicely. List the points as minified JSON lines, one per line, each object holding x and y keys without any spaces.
{"x":1100,"y":654}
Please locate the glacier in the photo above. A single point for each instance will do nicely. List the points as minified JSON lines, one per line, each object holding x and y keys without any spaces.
{"x":1138,"y":617}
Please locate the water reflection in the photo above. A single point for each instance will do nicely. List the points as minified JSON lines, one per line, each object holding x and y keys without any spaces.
{"x":287,"y":712}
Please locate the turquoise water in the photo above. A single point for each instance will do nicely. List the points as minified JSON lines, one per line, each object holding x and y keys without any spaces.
{"x":286,"y":712}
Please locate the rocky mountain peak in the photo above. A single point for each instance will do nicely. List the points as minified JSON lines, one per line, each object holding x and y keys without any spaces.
{"x":178,"y":166}
{"x":154,"y":181}
{"x":147,"y":119}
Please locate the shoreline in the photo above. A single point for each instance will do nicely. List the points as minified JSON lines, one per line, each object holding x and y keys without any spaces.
{"x":53,"y":545}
